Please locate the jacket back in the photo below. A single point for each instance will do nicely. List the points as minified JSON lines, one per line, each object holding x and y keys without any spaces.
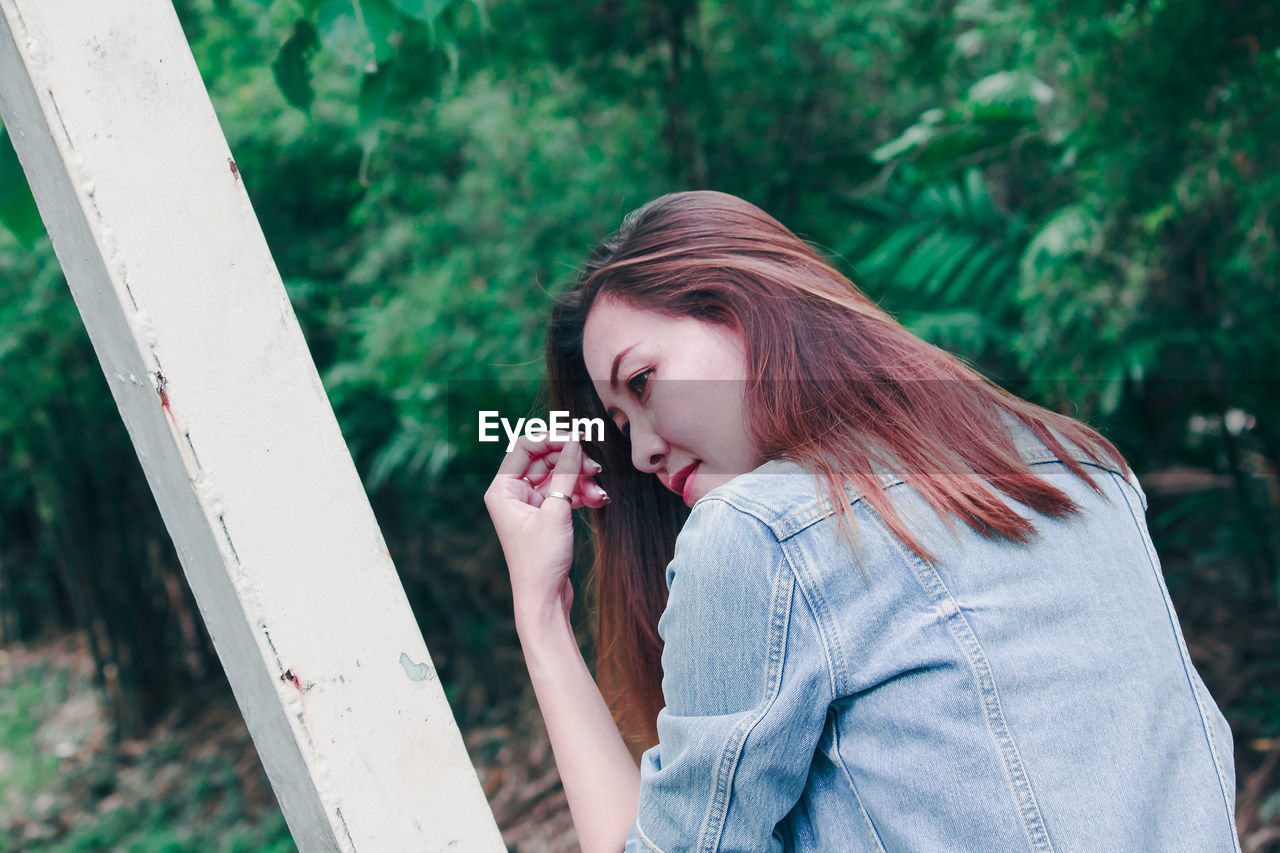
{"x":1004,"y":696}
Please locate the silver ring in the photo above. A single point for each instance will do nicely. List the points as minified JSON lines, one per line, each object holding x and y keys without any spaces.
{"x":554,"y":494}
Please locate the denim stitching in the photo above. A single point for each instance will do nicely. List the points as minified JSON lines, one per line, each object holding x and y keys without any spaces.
{"x":1186,"y":668}
{"x":727,"y":765}
{"x":815,"y":510}
{"x":1028,"y":809}
{"x":839,"y":758}
{"x":837,"y":670}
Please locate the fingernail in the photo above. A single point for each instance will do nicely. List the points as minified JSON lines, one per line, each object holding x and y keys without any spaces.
{"x":601,"y":492}
{"x":594,"y":466}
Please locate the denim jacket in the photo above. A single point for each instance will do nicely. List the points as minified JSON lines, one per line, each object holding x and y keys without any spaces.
{"x":1005,"y":696}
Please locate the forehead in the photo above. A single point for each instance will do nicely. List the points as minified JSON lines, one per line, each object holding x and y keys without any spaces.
{"x":614,"y":326}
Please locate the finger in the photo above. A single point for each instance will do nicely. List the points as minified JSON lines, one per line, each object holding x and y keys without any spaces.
{"x":526,"y":450}
{"x":593,"y":495}
{"x":586,"y":492}
{"x":580,"y":499}
{"x":564,"y":477}
{"x":540,"y":468}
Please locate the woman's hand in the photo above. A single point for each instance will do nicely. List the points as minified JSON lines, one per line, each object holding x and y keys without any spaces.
{"x":535,"y":528}
{"x":601,"y":781}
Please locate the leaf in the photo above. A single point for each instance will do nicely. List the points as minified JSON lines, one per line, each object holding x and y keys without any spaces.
{"x":424,"y":10}
{"x":360,"y":33}
{"x":1068,"y":231}
{"x":892,"y":249}
{"x":964,"y":141}
{"x":1110,"y":397}
{"x":341,"y":33}
{"x":451,"y":53}
{"x":1009,"y":88}
{"x":871,"y":208}
{"x":979,"y":200}
{"x":383,"y":23}
{"x":918,"y":266}
{"x":916,"y":135}
{"x":978,"y":262}
{"x":960,"y":247}
{"x":947,"y":328}
{"x":1001,"y":272}
{"x":374,"y":88}
{"x":292,"y":65}
{"x":18,"y":212}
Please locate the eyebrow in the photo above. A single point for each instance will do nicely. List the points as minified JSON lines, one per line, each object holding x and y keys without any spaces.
{"x":613,"y":373}
{"x":613,"y":377}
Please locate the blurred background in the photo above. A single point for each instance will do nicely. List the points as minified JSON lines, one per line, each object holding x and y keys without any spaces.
{"x":1080,"y":199}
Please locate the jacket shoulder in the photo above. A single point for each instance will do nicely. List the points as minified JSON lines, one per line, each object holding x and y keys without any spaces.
{"x":776,"y":494}
{"x":787,"y":497}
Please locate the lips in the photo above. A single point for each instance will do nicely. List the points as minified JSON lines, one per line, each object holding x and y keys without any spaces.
{"x":680,"y":482}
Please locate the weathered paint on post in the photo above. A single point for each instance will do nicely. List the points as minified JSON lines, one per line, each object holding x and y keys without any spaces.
{"x":189,"y":318}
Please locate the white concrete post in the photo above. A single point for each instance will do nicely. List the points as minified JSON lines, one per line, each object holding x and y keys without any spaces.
{"x":202,"y":351}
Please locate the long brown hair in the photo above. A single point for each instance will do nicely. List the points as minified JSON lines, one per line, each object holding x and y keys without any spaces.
{"x":834,"y":384}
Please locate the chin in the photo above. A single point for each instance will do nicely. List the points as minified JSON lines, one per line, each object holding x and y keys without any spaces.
{"x":707,"y":482}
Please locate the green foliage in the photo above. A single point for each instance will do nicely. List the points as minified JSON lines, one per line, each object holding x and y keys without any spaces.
{"x":292,"y":66}
{"x":170,"y":802}
{"x":946,"y":255}
{"x":473,"y":247}
{"x":996,"y":111}
{"x":159,"y":827}
{"x":1079,"y":199}
{"x":27,"y":770}
{"x":18,"y":211}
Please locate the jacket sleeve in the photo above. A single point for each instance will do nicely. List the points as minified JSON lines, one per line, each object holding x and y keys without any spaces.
{"x":747,"y":686}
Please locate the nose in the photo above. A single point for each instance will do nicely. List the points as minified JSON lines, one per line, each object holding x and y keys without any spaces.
{"x":648,"y":450}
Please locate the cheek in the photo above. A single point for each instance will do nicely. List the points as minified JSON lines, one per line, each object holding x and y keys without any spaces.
{"x":683,"y":410}
{"x":724,"y":425}
{"x":702,"y":414}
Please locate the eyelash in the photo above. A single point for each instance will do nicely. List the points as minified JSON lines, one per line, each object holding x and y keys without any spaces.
{"x":640,"y":394}
{"x":630,"y":383}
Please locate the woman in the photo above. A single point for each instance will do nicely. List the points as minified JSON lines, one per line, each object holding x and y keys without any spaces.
{"x":908,"y":611}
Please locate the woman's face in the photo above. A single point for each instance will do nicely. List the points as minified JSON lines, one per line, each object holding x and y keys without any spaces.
{"x":676,"y":386}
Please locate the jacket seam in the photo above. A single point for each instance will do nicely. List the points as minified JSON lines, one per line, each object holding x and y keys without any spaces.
{"x":833,"y":651}
{"x":644,"y":839}
{"x":731,"y":755}
{"x":839,"y":759}
{"x":819,"y":508}
{"x":1184,"y":656}
{"x":814,"y":510}
{"x":993,"y":710}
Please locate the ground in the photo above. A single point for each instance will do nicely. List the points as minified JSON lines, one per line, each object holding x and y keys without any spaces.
{"x":195,"y":783}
